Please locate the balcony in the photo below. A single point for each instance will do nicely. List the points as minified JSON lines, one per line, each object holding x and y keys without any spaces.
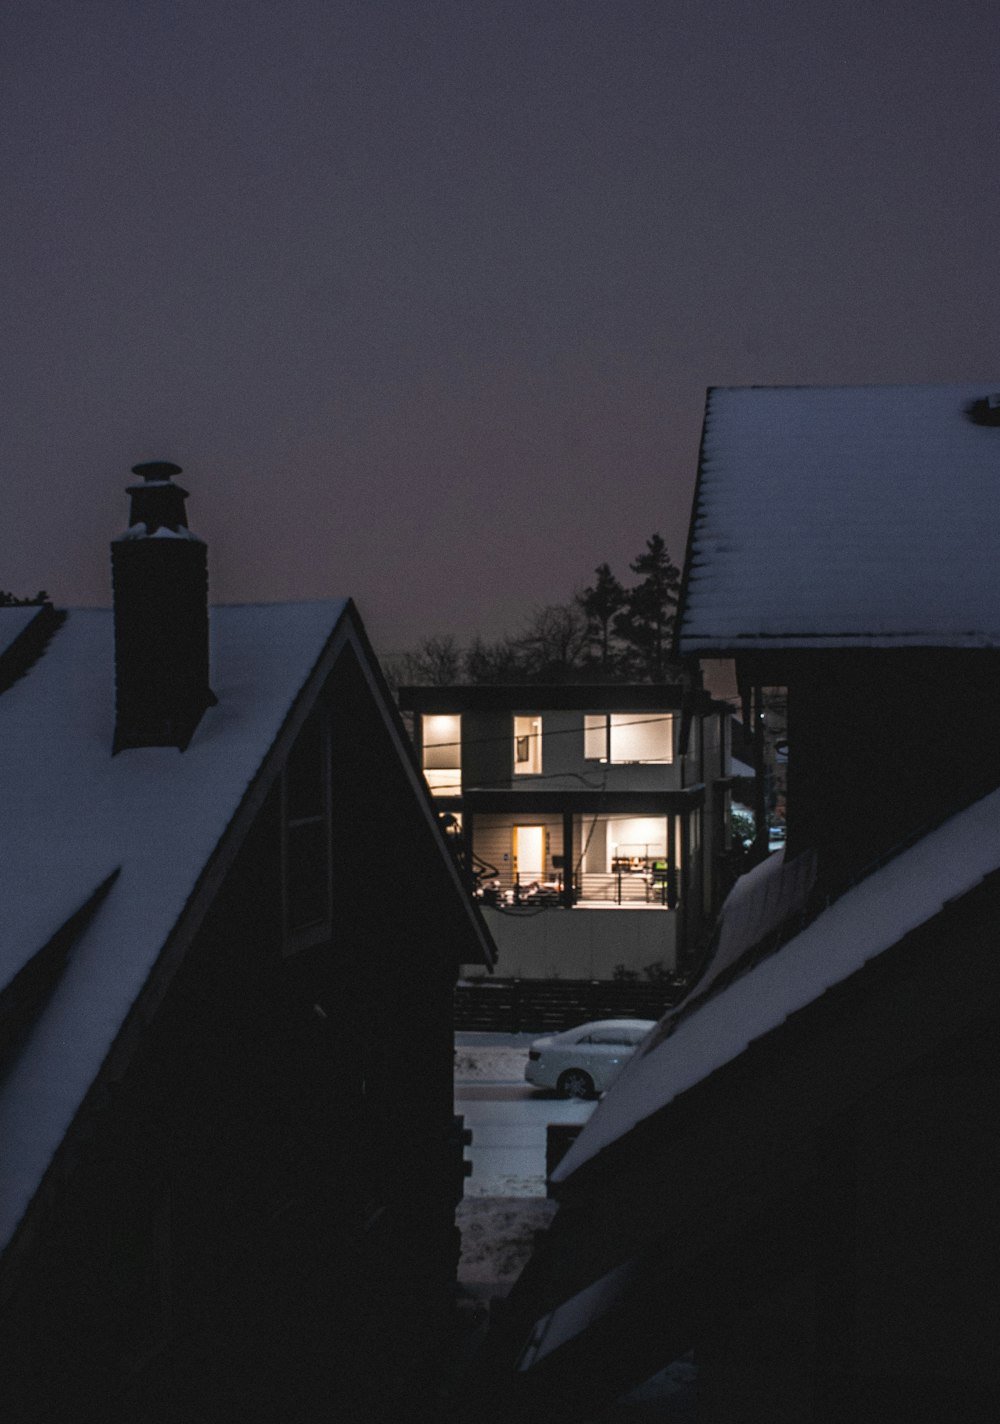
{"x":654,"y":890}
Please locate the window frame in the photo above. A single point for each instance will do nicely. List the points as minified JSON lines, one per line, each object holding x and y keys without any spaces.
{"x":453,"y":787}
{"x":638,"y":717}
{"x":530,"y":769}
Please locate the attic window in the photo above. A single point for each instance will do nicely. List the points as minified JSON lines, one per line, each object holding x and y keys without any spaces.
{"x":306,"y":849}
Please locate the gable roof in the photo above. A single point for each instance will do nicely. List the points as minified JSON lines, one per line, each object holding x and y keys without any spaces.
{"x":695,"y":1040}
{"x":140,"y":827}
{"x":844,"y":516}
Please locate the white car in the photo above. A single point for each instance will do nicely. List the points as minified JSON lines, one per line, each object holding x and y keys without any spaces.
{"x":582,"y":1061}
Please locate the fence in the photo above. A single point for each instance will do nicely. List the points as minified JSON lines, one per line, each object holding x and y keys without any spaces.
{"x":549,"y":1006}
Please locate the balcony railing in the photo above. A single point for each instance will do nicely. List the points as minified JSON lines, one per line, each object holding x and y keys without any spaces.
{"x":508,"y":889}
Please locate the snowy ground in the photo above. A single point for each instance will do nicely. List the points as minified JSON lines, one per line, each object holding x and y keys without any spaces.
{"x":491,"y":1057}
{"x":505,"y":1202}
{"x":505,"y":1205}
{"x":498,"y":1236}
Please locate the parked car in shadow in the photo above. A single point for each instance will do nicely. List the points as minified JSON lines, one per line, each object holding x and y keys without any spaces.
{"x":583,"y":1060}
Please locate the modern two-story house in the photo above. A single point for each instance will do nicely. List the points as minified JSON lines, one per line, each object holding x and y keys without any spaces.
{"x":229,"y":1163}
{"x":609,"y":801}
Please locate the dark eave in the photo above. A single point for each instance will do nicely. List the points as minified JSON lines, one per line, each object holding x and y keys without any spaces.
{"x":773,"y":666}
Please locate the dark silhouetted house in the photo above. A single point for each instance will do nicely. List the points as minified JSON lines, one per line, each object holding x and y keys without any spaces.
{"x":607,"y":800}
{"x":795,"y":1176}
{"x":230,"y":934}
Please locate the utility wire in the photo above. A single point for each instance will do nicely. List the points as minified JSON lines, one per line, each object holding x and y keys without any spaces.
{"x":558,"y":732}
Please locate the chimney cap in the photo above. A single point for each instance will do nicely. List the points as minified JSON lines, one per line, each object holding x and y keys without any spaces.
{"x":156,"y":470}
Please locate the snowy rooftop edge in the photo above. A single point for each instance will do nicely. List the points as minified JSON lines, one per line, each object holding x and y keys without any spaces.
{"x":867,"y":920}
{"x":73,"y":813}
{"x":897,"y":484}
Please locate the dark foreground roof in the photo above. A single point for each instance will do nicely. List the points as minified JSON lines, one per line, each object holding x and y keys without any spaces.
{"x":694,"y":1041}
{"x":104,"y":858}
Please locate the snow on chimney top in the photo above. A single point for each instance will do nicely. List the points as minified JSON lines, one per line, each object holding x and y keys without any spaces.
{"x":157,"y":503}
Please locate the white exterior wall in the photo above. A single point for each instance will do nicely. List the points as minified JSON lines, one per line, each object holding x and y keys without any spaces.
{"x":579,"y":944}
{"x":563,"y":762}
{"x":493,"y":841}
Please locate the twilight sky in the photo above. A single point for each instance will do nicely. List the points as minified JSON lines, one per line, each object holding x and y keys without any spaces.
{"x":424,"y":295}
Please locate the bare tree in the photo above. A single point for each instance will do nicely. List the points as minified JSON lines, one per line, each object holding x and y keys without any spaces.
{"x":10,"y":600}
{"x":499,"y":661}
{"x":553,"y":642}
{"x":436,"y":662}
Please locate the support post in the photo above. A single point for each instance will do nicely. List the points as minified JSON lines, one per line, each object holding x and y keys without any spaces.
{"x":568,"y":896}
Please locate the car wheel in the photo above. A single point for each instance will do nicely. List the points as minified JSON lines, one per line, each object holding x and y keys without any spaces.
{"x":575,"y":1083}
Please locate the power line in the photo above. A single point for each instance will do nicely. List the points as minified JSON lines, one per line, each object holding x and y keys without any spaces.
{"x":557,"y":732}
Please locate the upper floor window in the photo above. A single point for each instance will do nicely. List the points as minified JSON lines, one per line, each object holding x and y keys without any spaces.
{"x":306,"y":849}
{"x":441,"y":739}
{"x":628,"y":736}
{"x":527,"y":745}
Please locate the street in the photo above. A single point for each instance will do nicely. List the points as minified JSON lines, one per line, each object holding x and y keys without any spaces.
{"x":507,"y":1117}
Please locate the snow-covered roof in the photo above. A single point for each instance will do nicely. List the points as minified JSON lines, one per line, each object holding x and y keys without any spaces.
{"x":864,"y":922}
{"x":855,"y":516}
{"x":73,"y":814}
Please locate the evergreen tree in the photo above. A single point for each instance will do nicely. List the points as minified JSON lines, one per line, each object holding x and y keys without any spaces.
{"x":601,"y":602}
{"x":646,"y":623}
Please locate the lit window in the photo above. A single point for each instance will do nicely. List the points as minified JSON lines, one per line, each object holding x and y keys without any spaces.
{"x":636,"y":842}
{"x":442,"y":752}
{"x":527,"y":745}
{"x":628,"y":737}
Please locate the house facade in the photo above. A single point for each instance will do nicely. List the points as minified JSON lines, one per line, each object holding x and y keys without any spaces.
{"x":219,"y":1194}
{"x":607,"y":801}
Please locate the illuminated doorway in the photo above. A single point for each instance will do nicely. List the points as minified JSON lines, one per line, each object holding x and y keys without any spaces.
{"x":529,"y":853}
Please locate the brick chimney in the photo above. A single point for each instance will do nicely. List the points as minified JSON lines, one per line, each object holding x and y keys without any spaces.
{"x":159,"y":573}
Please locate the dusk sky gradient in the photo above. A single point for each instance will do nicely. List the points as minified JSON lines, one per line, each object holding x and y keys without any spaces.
{"x":424,"y":297}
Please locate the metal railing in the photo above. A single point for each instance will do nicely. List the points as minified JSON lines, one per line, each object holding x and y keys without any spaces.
{"x":507,"y":888}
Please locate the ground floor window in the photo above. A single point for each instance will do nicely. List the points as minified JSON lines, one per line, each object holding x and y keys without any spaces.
{"x":612,"y":860}
{"x":624,"y":844}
